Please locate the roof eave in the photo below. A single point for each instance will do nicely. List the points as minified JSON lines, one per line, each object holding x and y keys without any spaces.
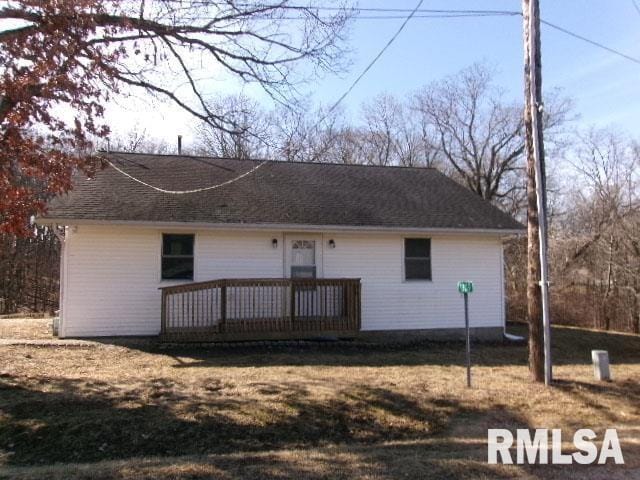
{"x":280,"y":227}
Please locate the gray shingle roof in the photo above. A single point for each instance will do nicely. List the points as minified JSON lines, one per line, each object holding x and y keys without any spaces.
{"x":276,"y":193}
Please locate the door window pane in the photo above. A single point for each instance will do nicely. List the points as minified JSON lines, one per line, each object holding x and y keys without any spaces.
{"x":303,"y":259}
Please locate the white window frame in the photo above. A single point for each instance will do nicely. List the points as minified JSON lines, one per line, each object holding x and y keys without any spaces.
{"x":161,"y":256}
{"x":404,"y":267}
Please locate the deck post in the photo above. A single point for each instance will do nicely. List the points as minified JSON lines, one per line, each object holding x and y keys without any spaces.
{"x":358,"y":301}
{"x":292,"y":300}
{"x":223,"y":306}
{"x":163,"y":313}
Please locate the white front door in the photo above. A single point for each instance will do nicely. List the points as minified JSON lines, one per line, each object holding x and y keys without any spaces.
{"x":303,"y":256}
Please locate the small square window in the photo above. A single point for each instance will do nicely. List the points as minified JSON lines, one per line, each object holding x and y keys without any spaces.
{"x":177,"y":257}
{"x":417,"y":259}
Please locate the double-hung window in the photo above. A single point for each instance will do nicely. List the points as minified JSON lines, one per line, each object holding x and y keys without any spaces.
{"x":417,"y":259}
{"x":177,"y":256}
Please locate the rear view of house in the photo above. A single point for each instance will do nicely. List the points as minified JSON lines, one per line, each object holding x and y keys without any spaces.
{"x":210,"y":248}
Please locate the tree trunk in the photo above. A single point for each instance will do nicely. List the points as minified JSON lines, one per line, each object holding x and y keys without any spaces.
{"x":534,"y":295}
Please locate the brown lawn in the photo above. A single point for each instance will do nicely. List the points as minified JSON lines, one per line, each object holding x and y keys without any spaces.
{"x":26,"y":328}
{"x":304,"y":411}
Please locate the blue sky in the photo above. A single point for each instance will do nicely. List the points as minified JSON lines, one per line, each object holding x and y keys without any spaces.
{"x":606,"y":88}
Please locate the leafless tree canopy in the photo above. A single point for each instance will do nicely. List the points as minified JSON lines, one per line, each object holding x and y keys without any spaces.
{"x":481,"y":135}
{"x":461,"y":125}
{"x":29,"y":272}
{"x":250,"y":139}
{"x":595,"y":237}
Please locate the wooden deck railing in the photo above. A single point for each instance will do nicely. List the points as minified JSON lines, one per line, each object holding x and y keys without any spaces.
{"x":243,"y":309}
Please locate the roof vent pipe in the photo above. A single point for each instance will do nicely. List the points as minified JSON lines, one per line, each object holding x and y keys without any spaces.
{"x":179,"y":144}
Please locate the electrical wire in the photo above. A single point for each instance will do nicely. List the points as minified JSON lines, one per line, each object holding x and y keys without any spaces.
{"x":425,"y":15}
{"x":333,"y":107}
{"x":319,"y":8}
{"x":592,"y":42}
{"x":184,"y":192}
{"x":370,"y":65}
{"x":415,"y":12}
{"x":419,"y":13}
{"x":402,"y":10}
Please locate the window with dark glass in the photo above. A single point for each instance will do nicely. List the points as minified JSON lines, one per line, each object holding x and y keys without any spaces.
{"x":417,"y":259}
{"x":177,"y":257}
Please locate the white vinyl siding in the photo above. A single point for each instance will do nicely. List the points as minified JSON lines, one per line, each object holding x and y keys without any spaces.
{"x":391,"y":303}
{"x":111,"y":282}
{"x":113,"y":273}
{"x":238,"y":255}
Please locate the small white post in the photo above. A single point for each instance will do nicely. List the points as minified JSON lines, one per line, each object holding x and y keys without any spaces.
{"x":600,"y":360}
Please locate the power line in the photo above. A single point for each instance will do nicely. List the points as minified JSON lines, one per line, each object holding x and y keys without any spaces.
{"x":414,"y":13}
{"x":370,"y":65}
{"x":397,"y":17}
{"x":430,"y":13}
{"x":316,"y":8}
{"x":333,"y":107}
{"x":592,"y":42}
{"x":398,"y":10}
{"x":419,"y":13}
{"x":450,"y":13}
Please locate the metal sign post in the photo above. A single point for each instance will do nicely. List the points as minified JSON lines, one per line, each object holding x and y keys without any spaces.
{"x":465,"y":288}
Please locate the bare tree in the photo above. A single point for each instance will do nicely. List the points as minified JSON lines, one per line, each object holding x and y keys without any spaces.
{"x":348,"y":146}
{"x":381,"y":116}
{"x":602,"y":227}
{"x":392,"y":135}
{"x":78,"y":54}
{"x":29,"y":272}
{"x":480,"y":135}
{"x":311,"y":135}
{"x":251,"y":133}
{"x":137,"y":140}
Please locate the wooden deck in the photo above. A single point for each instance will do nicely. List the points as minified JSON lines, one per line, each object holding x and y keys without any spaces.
{"x":260,"y":309}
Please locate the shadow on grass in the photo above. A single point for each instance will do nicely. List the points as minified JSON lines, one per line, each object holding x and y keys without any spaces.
{"x":48,"y":421}
{"x":451,"y":460}
{"x":599,"y":396}
{"x":69,"y":421}
{"x":570,"y":346}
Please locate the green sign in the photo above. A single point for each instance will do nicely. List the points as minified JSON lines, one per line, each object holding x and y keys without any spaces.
{"x":465,"y":287}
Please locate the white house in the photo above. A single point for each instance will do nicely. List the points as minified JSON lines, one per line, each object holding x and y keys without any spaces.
{"x":255,"y":249}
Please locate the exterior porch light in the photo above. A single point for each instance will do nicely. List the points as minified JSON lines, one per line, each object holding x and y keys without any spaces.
{"x":274,"y":243}
{"x":332,"y":243}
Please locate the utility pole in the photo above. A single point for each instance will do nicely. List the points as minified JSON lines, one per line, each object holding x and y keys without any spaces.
{"x":538,"y":269}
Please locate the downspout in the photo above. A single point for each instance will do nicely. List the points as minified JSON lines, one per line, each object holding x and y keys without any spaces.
{"x":502,"y":291}
{"x":63,"y":251}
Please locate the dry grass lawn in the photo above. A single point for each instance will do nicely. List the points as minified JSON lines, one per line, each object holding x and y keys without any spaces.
{"x":306,"y":411}
{"x":26,"y":328}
